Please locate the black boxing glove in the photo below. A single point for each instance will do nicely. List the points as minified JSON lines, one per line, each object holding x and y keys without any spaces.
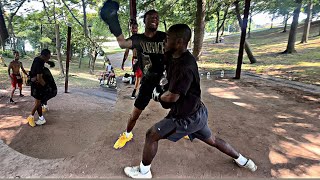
{"x":109,"y":14}
{"x":156,"y":94}
{"x":51,"y":64}
{"x":166,"y":105}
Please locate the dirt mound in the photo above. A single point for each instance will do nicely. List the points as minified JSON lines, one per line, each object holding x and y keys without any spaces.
{"x":74,"y":121}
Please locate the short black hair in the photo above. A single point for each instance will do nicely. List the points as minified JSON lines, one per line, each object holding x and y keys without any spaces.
{"x":14,"y":52}
{"x":181,"y":31}
{"x":152,"y":11}
{"x":45,"y":52}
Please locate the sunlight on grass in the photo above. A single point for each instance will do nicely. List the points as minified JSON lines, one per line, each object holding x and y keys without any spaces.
{"x":303,"y":66}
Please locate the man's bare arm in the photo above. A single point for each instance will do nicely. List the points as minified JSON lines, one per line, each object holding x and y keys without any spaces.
{"x":9,"y":68}
{"x":125,"y":56}
{"x":124,"y":43}
{"x":40,"y":79}
{"x":169,"y":97}
{"x":23,"y":70}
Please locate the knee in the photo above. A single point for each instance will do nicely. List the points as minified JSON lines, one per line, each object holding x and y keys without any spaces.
{"x":152,"y":135}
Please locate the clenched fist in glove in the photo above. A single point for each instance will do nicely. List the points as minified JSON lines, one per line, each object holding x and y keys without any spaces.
{"x":51,"y":64}
{"x":156,"y":94}
{"x":109,"y":14}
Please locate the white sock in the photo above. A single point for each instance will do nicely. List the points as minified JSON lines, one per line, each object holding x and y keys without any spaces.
{"x":127,"y":134}
{"x":241,"y":160}
{"x":144,"y":169}
{"x":41,"y":118}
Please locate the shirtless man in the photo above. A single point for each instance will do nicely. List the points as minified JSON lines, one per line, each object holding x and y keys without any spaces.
{"x":15,"y":77}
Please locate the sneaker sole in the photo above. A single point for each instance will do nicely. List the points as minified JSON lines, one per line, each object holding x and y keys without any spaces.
{"x":41,"y":123}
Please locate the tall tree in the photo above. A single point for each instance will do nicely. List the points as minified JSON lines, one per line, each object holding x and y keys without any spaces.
{"x":13,"y":7}
{"x":220,"y":22}
{"x":58,"y":40}
{"x":293,"y":29}
{"x":199,"y":28}
{"x":307,"y":23}
{"x":246,"y":44}
{"x":3,"y":29}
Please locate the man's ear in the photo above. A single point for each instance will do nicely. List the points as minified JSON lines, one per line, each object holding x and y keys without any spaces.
{"x":179,"y":41}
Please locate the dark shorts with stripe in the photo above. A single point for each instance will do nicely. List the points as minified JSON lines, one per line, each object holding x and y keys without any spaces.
{"x":195,"y":126}
{"x":145,"y":92}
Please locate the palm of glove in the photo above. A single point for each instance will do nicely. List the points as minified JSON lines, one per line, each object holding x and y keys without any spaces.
{"x":109,"y":9}
{"x":109,"y":15}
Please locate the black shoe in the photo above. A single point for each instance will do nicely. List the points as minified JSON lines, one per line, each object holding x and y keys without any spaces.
{"x":11,"y":101}
{"x":21,"y":95}
{"x":133,"y":96}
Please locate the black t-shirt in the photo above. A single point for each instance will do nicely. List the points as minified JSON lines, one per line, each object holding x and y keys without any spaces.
{"x":36,"y":67}
{"x":183,"y":78}
{"x":150,"y":52}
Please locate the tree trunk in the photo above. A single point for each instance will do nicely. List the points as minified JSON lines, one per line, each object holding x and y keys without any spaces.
{"x":11,"y":33}
{"x":249,"y":29}
{"x":221,"y":26}
{"x":293,"y":29}
{"x":85,"y":26}
{"x":199,"y":28}
{"x":4,"y":35}
{"x":273,"y":16}
{"x":285,"y":23}
{"x":246,"y":44}
{"x":307,"y":23}
{"x":222,"y":31}
{"x":80,"y":57}
{"x":242,"y":37}
{"x":165,"y":25}
{"x":93,"y":60}
{"x":218,"y":26}
{"x":3,"y":44}
{"x":10,"y":19}
{"x":58,"y":49}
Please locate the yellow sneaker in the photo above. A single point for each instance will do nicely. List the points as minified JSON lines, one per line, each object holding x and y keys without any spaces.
{"x":122,"y":140}
{"x":45,"y":108}
{"x":186,"y":137}
{"x":31,"y":122}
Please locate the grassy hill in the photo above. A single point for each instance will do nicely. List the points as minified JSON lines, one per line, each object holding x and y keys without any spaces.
{"x":303,"y":66}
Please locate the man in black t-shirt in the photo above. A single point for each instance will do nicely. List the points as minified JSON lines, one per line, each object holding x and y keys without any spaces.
{"x":188,"y":115}
{"x":150,"y":52}
{"x":39,"y":87}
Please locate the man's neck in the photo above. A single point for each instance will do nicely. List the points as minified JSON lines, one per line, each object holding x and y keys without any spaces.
{"x":178,"y":53}
{"x":42,"y":58}
{"x":149,"y":33}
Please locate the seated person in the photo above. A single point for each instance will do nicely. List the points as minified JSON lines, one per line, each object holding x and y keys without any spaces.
{"x":109,"y":74}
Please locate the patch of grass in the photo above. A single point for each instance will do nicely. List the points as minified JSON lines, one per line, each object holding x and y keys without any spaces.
{"x":267,"y":46}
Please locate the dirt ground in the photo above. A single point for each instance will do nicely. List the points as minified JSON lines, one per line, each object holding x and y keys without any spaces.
{"x":277,"y":126}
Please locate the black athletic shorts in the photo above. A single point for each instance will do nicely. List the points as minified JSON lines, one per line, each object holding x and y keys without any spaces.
{"x":145,"y":92}
{"x":195,"y":126}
